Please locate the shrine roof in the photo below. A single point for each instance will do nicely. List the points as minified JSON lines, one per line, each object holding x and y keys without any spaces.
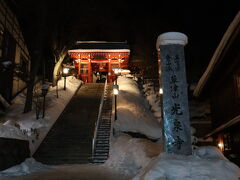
{"x":101,"y":45}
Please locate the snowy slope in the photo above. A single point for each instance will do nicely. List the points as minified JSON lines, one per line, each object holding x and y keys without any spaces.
{"x":133,"y":111}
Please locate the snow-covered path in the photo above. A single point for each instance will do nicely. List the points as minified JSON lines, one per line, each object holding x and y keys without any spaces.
{"x":74,"y":172}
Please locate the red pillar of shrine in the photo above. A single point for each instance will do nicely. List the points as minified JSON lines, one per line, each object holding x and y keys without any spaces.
{"x":109,"y":77}
{"x":89,"y":72}
{"x":79,"y":68}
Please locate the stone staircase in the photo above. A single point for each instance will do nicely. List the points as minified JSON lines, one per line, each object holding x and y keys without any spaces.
{"x":70,"y":139}
{"x":102,"y":145}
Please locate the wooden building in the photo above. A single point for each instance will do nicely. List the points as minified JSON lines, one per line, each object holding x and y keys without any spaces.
{"x":97,"y":60}
{"x":14,"y":55}
{"x":221,"y":84}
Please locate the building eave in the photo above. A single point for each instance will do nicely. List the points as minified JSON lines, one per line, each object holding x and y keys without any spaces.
{"x":217,"y":54}
{"x":99,"y":50}
{"x":224,"y":126}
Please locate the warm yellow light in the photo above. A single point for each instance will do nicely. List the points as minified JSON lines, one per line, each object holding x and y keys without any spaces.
{"x":65,"y":70}
{"x":117,"y":71}
{"x":115,"y":91}
{"x":220,"y":145}
{"x":160,"y":91}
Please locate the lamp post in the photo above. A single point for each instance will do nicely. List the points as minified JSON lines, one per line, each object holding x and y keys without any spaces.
{"x":44,"y":93}
{"x":115,"y":92}
{"x":65,"y":73}
{"x":161,"y":100}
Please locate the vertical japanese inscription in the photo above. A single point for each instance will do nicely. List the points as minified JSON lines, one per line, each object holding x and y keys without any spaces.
{"x":175,"y":100}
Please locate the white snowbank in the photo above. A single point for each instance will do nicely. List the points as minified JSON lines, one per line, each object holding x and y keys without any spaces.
{"x":9,"y":131}
{"x":133,"y":111}
{"x":128,"y":155}
{"x":26,"y":167}
{"x":209,"y":152}
{"x":207,"y":163}
{"x":153,"y":99}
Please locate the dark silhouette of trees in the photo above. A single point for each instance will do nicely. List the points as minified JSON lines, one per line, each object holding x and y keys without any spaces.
{"x":36,"y":53}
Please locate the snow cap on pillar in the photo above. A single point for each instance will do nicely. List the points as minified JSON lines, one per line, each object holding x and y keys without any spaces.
{"x":171,"y":38}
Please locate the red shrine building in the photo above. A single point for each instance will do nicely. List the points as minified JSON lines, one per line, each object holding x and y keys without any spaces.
{"x":96,"y":61}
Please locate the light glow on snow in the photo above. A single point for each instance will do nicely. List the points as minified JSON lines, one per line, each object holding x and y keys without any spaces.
{"x":138,"y":158}
{"x":133,"y":111}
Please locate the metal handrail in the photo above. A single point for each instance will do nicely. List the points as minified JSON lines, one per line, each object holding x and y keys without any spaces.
{"x":98,"y":119}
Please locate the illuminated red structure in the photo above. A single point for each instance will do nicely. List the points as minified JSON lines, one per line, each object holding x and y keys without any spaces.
{"x":96,"y":60}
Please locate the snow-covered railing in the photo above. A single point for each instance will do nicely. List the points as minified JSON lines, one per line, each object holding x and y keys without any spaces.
{"x":98,"y":119}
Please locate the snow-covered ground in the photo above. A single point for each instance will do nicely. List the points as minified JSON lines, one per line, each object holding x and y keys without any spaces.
{"x":137,"y":158}
{"x":25,"y":126}
{"x":207,"y":163}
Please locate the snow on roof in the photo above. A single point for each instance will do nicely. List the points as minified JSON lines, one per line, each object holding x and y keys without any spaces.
{"x":217,"y":54}
{"x":99,"y":50}
{"x":101,"y":45}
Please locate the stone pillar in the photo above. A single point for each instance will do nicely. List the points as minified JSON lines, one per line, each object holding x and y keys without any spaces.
{"x":176,"y":124}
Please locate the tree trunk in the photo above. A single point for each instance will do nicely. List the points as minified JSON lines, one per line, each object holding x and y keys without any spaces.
{"x":29,"y":97}
{"x":57,"y":67}
{"x":36,"y":56}
{"x":30,"y":86}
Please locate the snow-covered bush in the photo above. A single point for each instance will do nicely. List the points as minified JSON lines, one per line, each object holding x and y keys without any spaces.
{"x":128,"y":154}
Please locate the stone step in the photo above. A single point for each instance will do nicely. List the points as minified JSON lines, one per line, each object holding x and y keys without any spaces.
{"x":101,"y":151}
{"x":99,"y":146}
{"x":98,"y":161}
{"x":103,"y":130}
{"x":102,"y":140}
{"x":103,"y":137}
{"x":100,"y":157}
{"x":64,"y":161}
{"x":105,"y":123}
{"x":103,"y":133}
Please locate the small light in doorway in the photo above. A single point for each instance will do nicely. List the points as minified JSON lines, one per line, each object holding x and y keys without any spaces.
{"x":221,"y":146}
{"x":160,"y":91}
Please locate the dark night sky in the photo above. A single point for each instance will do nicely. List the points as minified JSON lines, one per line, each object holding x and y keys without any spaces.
{"x":140,"y":23}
